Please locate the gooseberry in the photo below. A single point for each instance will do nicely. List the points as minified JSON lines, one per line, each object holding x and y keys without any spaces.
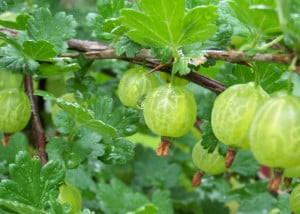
{"x":170,"y":110}
{"x":134,"y":84}
{"x":15,"y":110}
{"x":233,"y":112}
{"x":275,"y":132}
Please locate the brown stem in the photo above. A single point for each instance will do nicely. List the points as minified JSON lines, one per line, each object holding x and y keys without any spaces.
{"x":230,"y":154}
{"x":164,"y":147}
{"x":274,"y":183}
{"x":36,"y":122}
{"x":197,"y":179}
{"x":5,"y":139}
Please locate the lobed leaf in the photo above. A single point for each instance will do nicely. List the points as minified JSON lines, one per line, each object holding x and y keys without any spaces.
{"x":30,"y":186}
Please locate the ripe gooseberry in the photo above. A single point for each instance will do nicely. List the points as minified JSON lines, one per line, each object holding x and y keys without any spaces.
{"x":134,"y":84}
{"x":71,"y":195}
{"x":233,"y":112}
{"x":170,"y":111}
{"x":211,"y":163}
{"x":275,"y":132}
{"x":295,"y":200}
{"x":15,"y":110}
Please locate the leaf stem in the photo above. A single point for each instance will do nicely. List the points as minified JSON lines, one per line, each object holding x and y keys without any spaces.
{"x":291,"y":69}
{"x":36,"y":122}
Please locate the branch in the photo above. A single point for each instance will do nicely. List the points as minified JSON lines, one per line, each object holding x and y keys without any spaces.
{"x":95,"y":50}
{"x":36,"y":122}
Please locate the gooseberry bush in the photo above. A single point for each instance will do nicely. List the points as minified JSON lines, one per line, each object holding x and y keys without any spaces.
{"x":153,"y":107}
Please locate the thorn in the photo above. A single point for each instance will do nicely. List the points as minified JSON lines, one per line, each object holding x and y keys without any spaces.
{"x":230,"y":157}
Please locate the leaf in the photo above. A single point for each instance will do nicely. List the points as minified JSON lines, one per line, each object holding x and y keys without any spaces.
{"x":15,"y":60}
{"x":17,"y":142}
{"x":117,"y":151}
{"x":146,"y":209}
{"x":165,"y":23}
{"x":39,"y":50}
{"x":53,"y":29}
{"x":181,"y":66}
{"x":127,"y":47}
{"x":244,"y":164}
{"x":29,"y":184}
{"x":209,"y":140}
{"x":197,"y":25}
{"x":49,"y":70}
{"x":110,"y":8}
{"x":123,"y":119}
{"x":128,"y":200}
{"x":151,"y":171}
{"x":258,"y":17}
{"x":63,"y":122}
{"x":270,"y":75}
{"x":250,"y":197}
{"x":19,"y":24}
{"x":73,"y":152}
{"x":161,"y":199}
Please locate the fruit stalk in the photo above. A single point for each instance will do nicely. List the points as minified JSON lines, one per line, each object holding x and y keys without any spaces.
{"x":36,"y":122}
{"x":230,"y":154}
{"x":197,"y":179}
{"x":274,"y":183}
{"x":164,"y":147}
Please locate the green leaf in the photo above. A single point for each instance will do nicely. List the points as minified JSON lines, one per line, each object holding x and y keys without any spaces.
{"x":17,"y":142}
{"x":63,"y":122}
{"x":165,"y":23}
{"x":182,"y":66}
{"x":128,"y":200}
{"x":244,"y":164}
{"x":74,"y":151}
{"x":161,"y":199}
{"x":197,"y":25}
{"x":250,"y":197}
{"x":270,"y":75}
{"x":19,"y":24}
{"x":14,"y":59}
{"x":110,"y":8}
{"x":146,"y":209}
{"x":152,"y":171}
{"x":29,"y":184}
{"x":49,"y":70}
{"x":209,"y":140}
{"x":17,"y":207}
{"x":259,"y":17}
{"x":123,"y":119}
{"x":127,"y":46}
{"x":39,"y":50}
{"x":283,"y":204}
{"x":117,"y":151}
{"x":53,"y":29}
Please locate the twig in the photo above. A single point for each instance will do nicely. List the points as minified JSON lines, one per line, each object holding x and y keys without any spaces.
{"x":36,"y":122}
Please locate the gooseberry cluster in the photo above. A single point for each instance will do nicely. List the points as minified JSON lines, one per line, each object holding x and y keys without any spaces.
{"x":246,"y":117}
{"x":169,"y":109}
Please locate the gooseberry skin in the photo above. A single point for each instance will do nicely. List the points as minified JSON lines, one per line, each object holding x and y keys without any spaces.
{"x":233,"y":112}
{"x":15,"y":110}
{"x":211,"y":163}
{"x":275,"y":132}
{"x":170,"y":111}
{"x":292,"y":172}
{"x":295,"y":199}
{"x":71,"y":195}
{"x":135,"y":83}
